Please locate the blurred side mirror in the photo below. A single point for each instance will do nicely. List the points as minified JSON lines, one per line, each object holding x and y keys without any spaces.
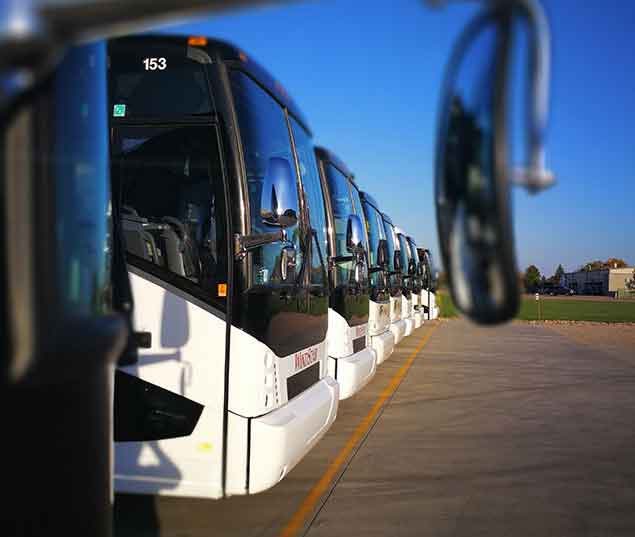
{"x":472,"y":191}
{"x":474,"y":216}
{"x":354,"y":234}
{"x":279,"y":202}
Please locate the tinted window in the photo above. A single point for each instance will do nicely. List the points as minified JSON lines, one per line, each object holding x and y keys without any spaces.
{"x":342,"y":208}
{"x":315,"y":202}
{"x":405,"y":253}
{"x":172,"y":205}
{"x":392,"y":244}
{"x":375,"y":230}
{"x":357,"y":205}
{"x":264,"y":134}
{"x":157,"y":80}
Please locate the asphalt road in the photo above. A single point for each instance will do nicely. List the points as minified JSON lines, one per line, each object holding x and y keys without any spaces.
{"x":517,"y":430}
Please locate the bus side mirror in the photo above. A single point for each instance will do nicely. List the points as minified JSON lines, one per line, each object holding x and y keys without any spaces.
{"x":472,"y":189}
{"x":279,"y":201}
{"x":354,"y":234}
{"x":473,"y":161}
{"x":382,"y":253}
{"x":397,"y":261}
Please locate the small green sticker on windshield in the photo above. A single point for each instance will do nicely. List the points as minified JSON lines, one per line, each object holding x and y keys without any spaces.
{"x":119,"y":110}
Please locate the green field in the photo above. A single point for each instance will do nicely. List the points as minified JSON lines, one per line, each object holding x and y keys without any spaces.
{"x":562,"y":310}
{"x":447,"y":308}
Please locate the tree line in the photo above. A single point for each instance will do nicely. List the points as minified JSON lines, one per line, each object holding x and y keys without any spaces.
{"x":533,"y":280}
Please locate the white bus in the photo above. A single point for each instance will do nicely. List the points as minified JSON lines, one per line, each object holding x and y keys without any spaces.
{"x":217,"y":192}
{"x":429,"y":292}
{"x":352,"y":359}
{"x":382,"y":338}
{"x":414,"y":274}
{"x":390,"y":263}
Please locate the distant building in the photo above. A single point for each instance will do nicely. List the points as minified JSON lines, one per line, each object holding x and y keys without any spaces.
{"x":598,"y":282}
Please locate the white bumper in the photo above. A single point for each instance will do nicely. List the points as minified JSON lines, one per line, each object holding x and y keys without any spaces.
{"x":418,"y":318}
{"x":398,"y":330}
{"x":353,"y":372}
{"x":384,"y":345}
{"x":280,"y":439}
{"x":410,"y":325}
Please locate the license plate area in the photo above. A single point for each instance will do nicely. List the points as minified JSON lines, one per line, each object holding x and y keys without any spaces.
{"x":359,"y":344}
{"x":299,"y":382}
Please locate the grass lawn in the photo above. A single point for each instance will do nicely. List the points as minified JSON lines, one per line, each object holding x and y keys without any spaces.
{"x":561,"y":310}
{"x":446,"y":305}
{"x":579,"y":310}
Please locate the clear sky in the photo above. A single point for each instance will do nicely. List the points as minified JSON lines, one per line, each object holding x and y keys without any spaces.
{"x":367,"y":74}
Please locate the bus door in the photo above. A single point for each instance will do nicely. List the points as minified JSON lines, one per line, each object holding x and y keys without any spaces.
{"x":170,"y":206}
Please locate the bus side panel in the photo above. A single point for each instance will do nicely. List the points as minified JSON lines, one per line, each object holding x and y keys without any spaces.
{"x":187,"y":357}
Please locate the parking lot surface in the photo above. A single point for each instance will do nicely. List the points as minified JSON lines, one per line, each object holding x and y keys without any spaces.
{"x":514,"y":430}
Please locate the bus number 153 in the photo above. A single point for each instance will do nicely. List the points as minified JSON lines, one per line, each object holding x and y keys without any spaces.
{"x":152,"y":64}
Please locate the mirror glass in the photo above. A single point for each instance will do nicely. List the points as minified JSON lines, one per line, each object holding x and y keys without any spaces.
{"x":472,"y":194}
{"x":382,"y":253}
{"x":354,"y":234}
{"x":279,"y":204}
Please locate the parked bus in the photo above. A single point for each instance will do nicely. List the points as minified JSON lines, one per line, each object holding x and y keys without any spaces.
{"x":406,"y":283}
{"x":352,"y":361}
{"x":431,"y":310}
{"x":417,"y":282}
{"x":217,"y":192}
{"x":398,"y":325}
{"x":382,"y":338}
{"x":409,"y":278}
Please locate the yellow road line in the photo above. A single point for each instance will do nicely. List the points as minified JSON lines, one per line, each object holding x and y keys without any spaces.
{"x":308,"y":505}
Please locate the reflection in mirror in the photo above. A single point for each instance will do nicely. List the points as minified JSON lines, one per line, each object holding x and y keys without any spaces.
{"x":354,"y":234}
{"x":472,"y":187}
{"x":279,"y":204}
{"x":382,"y":253}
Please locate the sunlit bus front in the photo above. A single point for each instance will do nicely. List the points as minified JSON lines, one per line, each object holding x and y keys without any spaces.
{"x":352,"y":361}
{"x":406,"y":281}
{"x":381,"y":337}
{"x":227,"y":265}
{"x":428,"y":293}
{"x":417,"y":284}
{"x":398,"y":316}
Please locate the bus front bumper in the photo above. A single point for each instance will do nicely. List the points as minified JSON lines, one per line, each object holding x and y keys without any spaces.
{"x":418,"y":318}
{"x":353,"y":372}
{"x":384,"y":345}
{"x":280,"y":439}
{"x":398,"y":329}
{"x":410,"y":325}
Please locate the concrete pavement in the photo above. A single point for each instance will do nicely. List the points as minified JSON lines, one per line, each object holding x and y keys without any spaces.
{"x":515,"y":430}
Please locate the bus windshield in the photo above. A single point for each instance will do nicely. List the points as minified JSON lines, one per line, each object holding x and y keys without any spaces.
{"x":405,"y":254}
{"x":264,"y":134}
{"x":342,"y":209}
{"x":393,"y":244}
{"x":375,"y":230}
{"x":413,"y":253}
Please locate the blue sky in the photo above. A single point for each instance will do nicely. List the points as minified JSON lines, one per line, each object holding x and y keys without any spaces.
{"x":368,"y":77}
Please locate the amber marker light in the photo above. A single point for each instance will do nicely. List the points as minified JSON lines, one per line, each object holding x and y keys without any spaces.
{"x":197,"y":41}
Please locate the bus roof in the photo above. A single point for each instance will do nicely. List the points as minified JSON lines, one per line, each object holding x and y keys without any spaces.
{"x":369,"y":199}
{"x":387,"y":219}
{"x":221,"y":51}
{"x":328,"y":156}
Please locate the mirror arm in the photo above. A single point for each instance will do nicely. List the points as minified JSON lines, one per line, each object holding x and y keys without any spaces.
{"x":342,"y":258}
{"x":244,"y":243}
